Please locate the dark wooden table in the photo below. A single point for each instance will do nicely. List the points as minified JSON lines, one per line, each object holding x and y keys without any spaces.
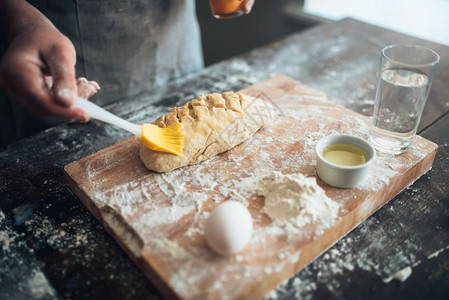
{"x":51,"y":247}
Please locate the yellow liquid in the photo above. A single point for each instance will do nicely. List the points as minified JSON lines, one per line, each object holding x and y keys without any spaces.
{"x":344,"y":155}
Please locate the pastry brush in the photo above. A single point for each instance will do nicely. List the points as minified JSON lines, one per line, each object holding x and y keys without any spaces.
{"x":169,"y":139}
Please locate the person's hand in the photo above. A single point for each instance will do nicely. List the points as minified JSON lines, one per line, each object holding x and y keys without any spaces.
{"x":247,"y":5}
{"x":38,"y":71}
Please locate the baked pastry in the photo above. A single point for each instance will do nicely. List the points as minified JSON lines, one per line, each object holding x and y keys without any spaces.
{"x":212,"y":124}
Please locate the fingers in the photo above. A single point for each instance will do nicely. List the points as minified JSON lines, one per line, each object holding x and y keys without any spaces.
{"x":86,"y":89}
{"x":23,"y":81}
{"x":61,"y":64}
{"x":247,"y":5}
{"x":38,"y":52}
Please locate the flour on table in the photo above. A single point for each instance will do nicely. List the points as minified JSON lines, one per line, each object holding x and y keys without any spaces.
{"x":294,"y":200}
{"x":436,"y":253}
{"x":401,"y":275}
{"x":39,"y":285}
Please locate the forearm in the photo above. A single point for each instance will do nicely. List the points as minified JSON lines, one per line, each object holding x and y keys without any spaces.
{"x":17,"y":16}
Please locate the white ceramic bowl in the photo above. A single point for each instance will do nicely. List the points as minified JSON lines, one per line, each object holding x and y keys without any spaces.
{"x":338,"y":175}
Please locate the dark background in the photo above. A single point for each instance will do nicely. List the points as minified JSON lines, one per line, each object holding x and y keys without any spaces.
{"x":226,"y":38}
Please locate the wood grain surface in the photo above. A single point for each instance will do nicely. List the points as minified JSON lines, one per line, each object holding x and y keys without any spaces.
{"x":158,"y":219}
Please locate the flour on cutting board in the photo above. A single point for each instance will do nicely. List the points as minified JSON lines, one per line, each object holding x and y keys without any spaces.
{"x":162,"y":199}
{"x":214,"y":270}
{"x":293,"y":201}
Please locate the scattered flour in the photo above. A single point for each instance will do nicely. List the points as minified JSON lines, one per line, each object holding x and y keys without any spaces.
{"x":39,"y":286}
{"x":239,"y":72}
{"x":294,"y":200}
{"x":436,"y":253}
{"x":6,"y":239}
{"x":401,"y":275}
{"x":150,"y":203}
{"x":7,"y":235}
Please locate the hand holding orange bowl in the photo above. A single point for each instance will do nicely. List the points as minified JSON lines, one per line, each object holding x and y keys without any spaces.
{"x":226,"y":8}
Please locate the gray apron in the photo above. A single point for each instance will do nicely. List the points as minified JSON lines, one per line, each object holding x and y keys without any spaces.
{"x":127,"y":46}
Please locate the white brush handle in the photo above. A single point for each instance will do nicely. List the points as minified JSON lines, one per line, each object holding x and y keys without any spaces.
{"x":96,"y":112}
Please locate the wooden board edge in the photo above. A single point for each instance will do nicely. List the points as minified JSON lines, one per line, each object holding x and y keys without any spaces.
{"x":327,"y":238}
{"x":139,"y":260}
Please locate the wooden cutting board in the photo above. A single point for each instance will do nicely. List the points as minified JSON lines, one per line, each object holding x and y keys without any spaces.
{"x":159,"y":219}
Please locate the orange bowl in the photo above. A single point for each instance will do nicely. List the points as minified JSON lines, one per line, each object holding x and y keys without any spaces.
{"x":223,"y":7}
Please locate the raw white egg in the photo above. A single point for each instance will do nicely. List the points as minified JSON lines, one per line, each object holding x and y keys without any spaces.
{"x":229,"y":228}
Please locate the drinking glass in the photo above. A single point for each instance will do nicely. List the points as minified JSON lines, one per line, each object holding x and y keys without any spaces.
{"x":405,"y":76}
{"x":226,"y":9}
